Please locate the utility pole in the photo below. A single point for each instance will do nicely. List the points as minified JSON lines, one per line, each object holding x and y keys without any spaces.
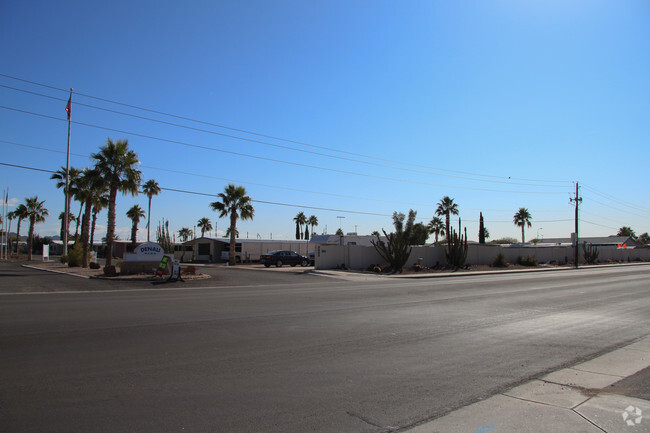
{"x":577,"y":200}
{"x":66,"y":217}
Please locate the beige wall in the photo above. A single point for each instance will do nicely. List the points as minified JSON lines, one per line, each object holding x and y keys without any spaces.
{"x":360,"y":257}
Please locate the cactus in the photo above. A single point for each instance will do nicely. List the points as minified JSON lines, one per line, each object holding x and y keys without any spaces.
{"x":162,"y":236}
{"x":396,"y":251}
{"x":456,"y":253}
{"x":590,"y":253}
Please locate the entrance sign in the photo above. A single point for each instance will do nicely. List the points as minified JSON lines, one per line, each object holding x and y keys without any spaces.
{"x":147,"y":252}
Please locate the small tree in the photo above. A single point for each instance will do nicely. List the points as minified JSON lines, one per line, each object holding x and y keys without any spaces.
{"x":397,"y":249}
{"x":482,"y":231}
{"x":36,"y":213}
{"x":626,"y":231}
{"x":134,"y":214}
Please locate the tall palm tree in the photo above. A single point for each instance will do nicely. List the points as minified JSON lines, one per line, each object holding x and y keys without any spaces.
{"x":116,"y":163}
{"x":436,"y":227}
{"x":522,"y":218}
{"x":36,"y":213}
{"x":73,"y":177}
{"x":150,"y":188}
{"x":313,"y":222}
{"x":21,"y":213}
{"x":235,"y":204}
{"x":447,"y":207}
{"x":134,"y":214}
{"x":205,"y":225}
{"x":300,"y":220}
{"x":90,"y":185}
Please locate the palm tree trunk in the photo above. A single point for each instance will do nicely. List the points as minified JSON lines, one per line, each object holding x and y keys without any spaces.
{"x":76,"y":230}
{"x":92,"y":228}
{"x":85,"y":232}
{"x":134,"y":232}
{"x":110,"y":229}
{"x":18,"y":235}
{"x":149,"y":219}
{"x":522,"y":234}
{"x":30,"y":237}
{"x":233,"y":230}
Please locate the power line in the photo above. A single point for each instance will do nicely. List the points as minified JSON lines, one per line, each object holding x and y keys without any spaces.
{"x":282,"y":146}
{"x":275,"y":138}
{"x":276,"y":160}
{"x":616,"y":200}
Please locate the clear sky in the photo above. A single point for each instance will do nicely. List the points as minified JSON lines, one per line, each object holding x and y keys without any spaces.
{"x":362,"y":108}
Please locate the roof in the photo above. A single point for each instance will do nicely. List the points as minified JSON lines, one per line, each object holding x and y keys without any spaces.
{"x":607,"y":240}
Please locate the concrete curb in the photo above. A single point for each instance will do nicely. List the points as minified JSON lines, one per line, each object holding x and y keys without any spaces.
{"x":55,"y":271}
{"x":568,"y":400}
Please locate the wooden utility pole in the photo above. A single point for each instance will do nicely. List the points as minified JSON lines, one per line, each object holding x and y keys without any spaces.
{"x":577,"y":201}
{"x":66,"y":221}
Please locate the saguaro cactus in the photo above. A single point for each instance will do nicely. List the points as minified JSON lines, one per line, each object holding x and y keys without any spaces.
{"x":456,"y":253}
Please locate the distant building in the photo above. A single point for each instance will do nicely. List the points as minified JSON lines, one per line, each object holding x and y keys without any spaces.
{"x":600,"y":242}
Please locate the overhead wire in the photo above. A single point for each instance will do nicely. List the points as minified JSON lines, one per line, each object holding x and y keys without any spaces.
{"x":273,"y":137}
{"x":282,"y":146}
{"x":214,"y":149}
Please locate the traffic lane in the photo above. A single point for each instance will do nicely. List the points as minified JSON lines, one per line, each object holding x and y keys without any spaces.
{"x":350,"y":368}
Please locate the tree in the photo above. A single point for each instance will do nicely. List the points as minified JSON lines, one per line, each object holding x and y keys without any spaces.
{"x":626,"y":231}
{"x":100,"y":201}
{"x":90,"y":184}
{"x":644,"y":238}
{"x":150,"y":188}
{"x":436,"y":227}
{"x":205,"y":225}
{"x":116,"y":163}
{"x":307,"y":232}
{"x":521,"y":219}
{"x":36,"y":213}
{"x":134,"y":214}
{"x":71,"y":218}
{"x":235,"y":204}
{"x":184,"y":234}
{"x":313,"y":222}
{"x":339,"y":231}
{"x":300,"y":220}
{"x":396,"y":249}
{"x":73,"y":176}
{"x":20,"y":214}
{"x":482,"y":231}
{"x":447,"y":207}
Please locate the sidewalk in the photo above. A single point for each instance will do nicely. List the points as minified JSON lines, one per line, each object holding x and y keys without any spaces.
{"x":582,"y":398}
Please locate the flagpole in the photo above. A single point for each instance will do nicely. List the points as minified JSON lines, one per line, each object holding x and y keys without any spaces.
{"x":68,"y":108}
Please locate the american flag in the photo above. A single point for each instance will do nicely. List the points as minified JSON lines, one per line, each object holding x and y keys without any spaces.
{"x":68,"y":106}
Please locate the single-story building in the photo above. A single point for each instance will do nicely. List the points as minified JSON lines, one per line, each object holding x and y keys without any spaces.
{"x":600,"y":242}
{"x":212,"y":250}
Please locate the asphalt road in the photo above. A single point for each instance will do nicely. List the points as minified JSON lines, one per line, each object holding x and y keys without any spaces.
{"x":289,"y":352}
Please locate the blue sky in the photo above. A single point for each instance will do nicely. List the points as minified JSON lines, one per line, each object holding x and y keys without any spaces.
{"x":364,"y":108}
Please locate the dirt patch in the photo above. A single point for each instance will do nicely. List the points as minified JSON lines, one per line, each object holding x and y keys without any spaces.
{"x":99,"y":273}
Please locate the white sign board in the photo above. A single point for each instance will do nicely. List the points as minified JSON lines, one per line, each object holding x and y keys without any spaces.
{"x":46,"y":253}
{"x":147,"y":252}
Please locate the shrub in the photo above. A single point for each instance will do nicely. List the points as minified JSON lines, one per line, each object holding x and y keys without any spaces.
{"x":527,"y":261}
{"x":94,"y":265}
{"x":500,"y":261}
{"x":64,"y":259}
{"x":75,"y":256}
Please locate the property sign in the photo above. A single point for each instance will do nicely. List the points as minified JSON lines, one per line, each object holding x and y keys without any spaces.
{"x":162,"y":266}
{"x":147,"y":252}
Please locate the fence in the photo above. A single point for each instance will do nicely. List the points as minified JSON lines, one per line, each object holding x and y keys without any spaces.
{"x":361,"y":257}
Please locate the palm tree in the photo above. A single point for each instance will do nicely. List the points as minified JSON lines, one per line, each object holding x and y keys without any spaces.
{"x":100,"y":201}
{"x":436,"y":227}
{"x":20,"y":214}
{"x":236,"y":204}
{"x":71,"y":218}
{"x":36,"y":213}
{"x":134,"y":214}
{"x":313,"y":222}
{"x":522,"y":218}
{"x":116,"y":163}
{"x":90,"y":185}
{"x":150,"y":188}
{"x":300,"y":220}
{"x":447,"y":207}
{"x":626,"y":231}
{"x":184,"y":234}
{"x":205,"y":225}
{"x":73,"y":176}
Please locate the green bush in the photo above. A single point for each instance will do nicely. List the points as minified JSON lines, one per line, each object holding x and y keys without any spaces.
{"x":64,"y":259}
{"x":500,"y":261}
{"x":75,"y":256}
